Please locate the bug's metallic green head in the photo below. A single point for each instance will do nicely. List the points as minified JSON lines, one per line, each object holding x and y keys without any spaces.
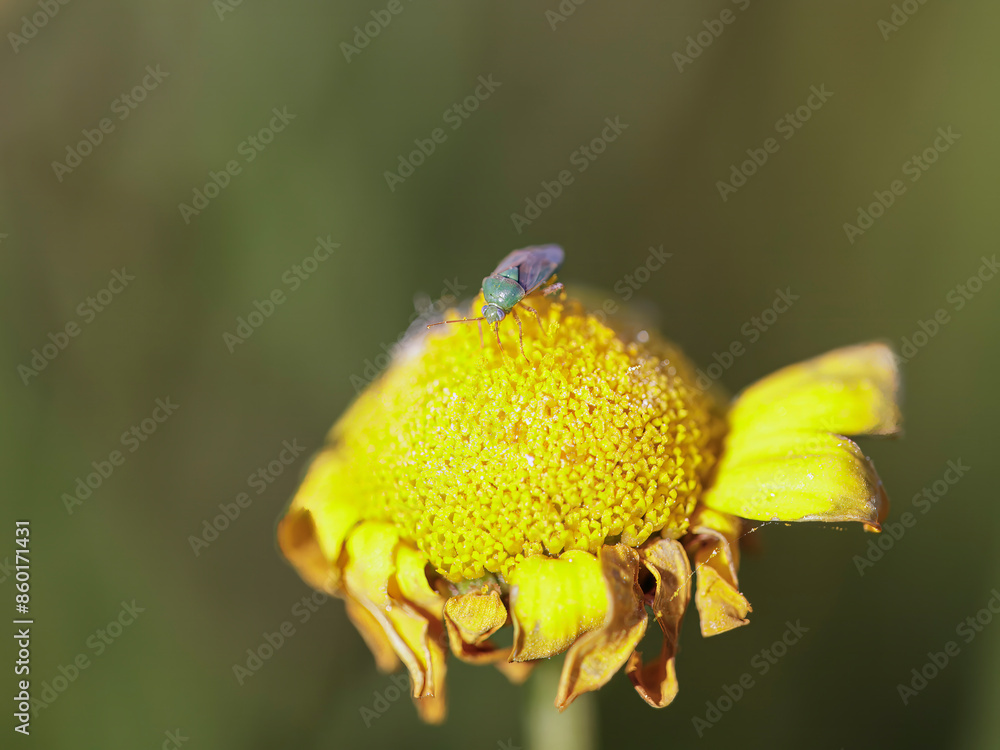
{"x":494,"y":313}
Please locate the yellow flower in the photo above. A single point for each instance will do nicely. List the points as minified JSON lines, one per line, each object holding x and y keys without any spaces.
{"x":467,"y":489}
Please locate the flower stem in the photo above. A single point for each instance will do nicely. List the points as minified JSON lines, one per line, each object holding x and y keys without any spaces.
{"x":548,"y":729}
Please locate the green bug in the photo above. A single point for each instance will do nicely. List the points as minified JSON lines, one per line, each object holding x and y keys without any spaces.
{"x":518,"y":275}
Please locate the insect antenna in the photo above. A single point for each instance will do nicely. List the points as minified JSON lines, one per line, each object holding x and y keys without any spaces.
{"x":478,"y":320}
{"x":460,"y":320}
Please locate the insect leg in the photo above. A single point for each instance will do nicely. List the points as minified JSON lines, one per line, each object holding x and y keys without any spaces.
{"x":520,"y":335}
{"x":552,"y":288}
{"x":534,"y":312}
{"x":480,"y":322}
{"x":496,"y":328}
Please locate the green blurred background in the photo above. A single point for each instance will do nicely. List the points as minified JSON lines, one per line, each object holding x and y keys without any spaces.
{"x":227,"y":67}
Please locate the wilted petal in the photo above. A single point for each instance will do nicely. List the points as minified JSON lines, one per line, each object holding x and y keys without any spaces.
{"x":714,"y":549}
{"x":415,"y":590}
{"x":471,"y":619}
{"x":667,"y":560}
{"x":373,"y":634}
{"x":371,"y":564}
{"x":849,"y":391}
{"x":411,"y":580}
{"x":299,"y":542}
{"x":415,"y":636}
{"x":553,"y":601}
{"x":312,"y":533}
{"x":432,"y":705}
{"x":596,"y":656}
{"x":721,"y":607}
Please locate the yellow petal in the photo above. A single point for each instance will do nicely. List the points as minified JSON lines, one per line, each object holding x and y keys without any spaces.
{"x":714,"y":548}
{"x":595,"y":657}
{"x":371,"y":564}
{"x":849,"y":391}
{"x":299,"y":543}
{"x":432,"y":705}
{"x":667,"y":560}
{"x":750,"y":449}
{"x":731,"y":527}
{"x":799,"y":476}
{"x":416,"y":636}
{"x":471,"y":619}
{"x":721,"y":606}
{"x":373,"y":634}
{"x":722,"y":532}
{"x":411,"y":579}
{"x":317,"y":523}
{"x":554,"y":601}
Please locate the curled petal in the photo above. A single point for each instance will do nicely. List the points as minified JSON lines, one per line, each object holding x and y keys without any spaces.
{"x":371,"y":564}
{"x":299,"y":542}
{"x":667,"y":560}
{"x":849,"y":391}
{"x":411,"y":580}
{"x":432,"y":706}
{"x":731,"y":527}
{"x":370,"y":575}
{"x":798,"y":476}
{"x":312,"y":533}
{"x":553,"y":602}
{"x":596,"y":656}
{"x":373,"y":635}
{"x":471,"y":619}
{"x":714,"y":548}
{"x":721,"y":606}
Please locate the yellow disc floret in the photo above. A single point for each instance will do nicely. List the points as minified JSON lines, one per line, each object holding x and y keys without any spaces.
{"x":482,"y":458}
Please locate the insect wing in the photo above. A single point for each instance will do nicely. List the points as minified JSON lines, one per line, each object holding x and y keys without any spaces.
{"x":534,"y":265}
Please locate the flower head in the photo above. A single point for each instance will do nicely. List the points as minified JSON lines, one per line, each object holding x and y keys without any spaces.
{"x":468,"y":489}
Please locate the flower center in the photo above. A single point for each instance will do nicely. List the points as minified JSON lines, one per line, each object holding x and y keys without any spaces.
{"x":482,"y":459}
